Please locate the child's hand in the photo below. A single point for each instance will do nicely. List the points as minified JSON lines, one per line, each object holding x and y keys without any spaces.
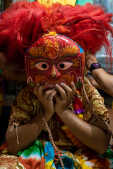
{"x":46,"y":99}
{"x":63,"y":98}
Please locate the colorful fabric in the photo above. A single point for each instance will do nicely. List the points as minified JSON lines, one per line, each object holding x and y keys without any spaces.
{"x":41,"y":155}
{"x":90,"y":160}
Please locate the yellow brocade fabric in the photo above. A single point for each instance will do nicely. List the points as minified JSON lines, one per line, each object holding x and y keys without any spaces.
{"x":63,"y":2}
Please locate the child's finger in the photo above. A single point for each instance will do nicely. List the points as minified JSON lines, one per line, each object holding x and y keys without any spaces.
{"x":66,"y":87}
{"x":68,"y":90}
{"x":75,"y":92}
{"x":37,"y":84}
{"x":41,"y":90}
{"x":74,"y":88}
{"x":38,"y":90}
{"x":49,"y":92}
{"x":61,"y":91}
{"x":57,"y":98}
{"x":50,"y":97}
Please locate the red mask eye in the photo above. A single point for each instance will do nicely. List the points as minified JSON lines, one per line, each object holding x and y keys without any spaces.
{"x":42,"y":66}
{"x":64,"y":65}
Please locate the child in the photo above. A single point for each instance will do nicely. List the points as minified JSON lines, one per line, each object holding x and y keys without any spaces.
{"x":57,"y":91}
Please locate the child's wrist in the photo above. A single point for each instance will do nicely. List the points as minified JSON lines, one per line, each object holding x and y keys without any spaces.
{"x":48,"y":115}
{"x":64,"y":112}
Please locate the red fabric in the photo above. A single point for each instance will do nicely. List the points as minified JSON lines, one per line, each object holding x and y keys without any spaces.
{"x":78,"y":105}
{"x":24,"y":22}
{"x":32,"y":163}
{"x":3,"y":147}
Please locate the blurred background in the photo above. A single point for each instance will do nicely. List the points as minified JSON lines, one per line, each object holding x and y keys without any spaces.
{"x":107,"y":4}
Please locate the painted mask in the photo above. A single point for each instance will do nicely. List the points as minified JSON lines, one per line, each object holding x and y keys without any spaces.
{"x":54,"y":59}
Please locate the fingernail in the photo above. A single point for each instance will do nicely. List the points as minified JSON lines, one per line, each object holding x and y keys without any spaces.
{"x":62,"y":83}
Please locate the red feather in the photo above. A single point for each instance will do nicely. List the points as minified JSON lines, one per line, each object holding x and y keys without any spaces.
{"x":24,"y":22}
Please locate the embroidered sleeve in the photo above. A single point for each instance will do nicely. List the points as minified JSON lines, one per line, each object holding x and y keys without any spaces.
{"x":95,"y":99}
{"x":25,"y":107}
{"x":99,"y":114}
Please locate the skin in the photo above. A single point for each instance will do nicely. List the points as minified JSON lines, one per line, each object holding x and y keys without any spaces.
{"x":104,"y":79}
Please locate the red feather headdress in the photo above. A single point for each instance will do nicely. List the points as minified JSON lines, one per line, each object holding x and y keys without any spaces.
{"x":24,"y":22}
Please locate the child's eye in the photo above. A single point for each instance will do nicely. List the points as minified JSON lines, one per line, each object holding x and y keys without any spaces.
{"x":64,"y":65}
{"x":42,"y":66}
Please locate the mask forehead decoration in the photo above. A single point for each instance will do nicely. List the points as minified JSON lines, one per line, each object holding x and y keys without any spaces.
{"x":54,"y":59}
{"x":53,"y":46}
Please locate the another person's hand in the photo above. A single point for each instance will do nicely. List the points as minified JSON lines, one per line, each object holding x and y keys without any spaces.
{"x":63,"y":98}
{"x":46,"y":99}
{"x":90,"y":59}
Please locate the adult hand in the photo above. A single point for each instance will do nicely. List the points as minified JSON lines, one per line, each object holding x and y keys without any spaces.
{"x":46,"y":99}
{"x":90,"y":59}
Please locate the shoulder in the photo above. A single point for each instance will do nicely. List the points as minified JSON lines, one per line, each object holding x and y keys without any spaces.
{"x":25,"y":107}
{"x":92,"y":97}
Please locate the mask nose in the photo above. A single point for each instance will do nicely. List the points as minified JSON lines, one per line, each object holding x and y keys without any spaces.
{"x":54,"y":72}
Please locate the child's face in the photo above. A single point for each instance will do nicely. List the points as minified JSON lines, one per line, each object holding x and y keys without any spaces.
{"x":54,"y":59}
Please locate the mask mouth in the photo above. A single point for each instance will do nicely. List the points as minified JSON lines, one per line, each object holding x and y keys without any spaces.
{"x":52,"y":85}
